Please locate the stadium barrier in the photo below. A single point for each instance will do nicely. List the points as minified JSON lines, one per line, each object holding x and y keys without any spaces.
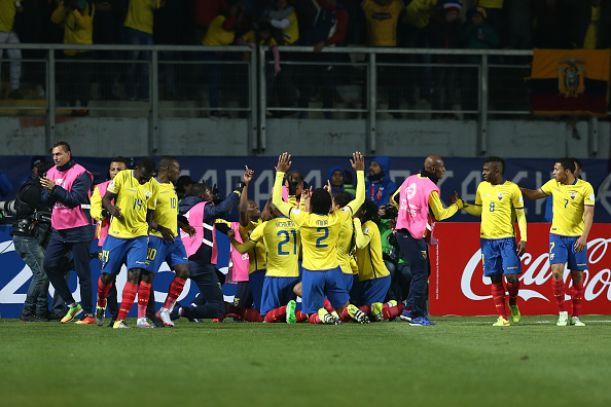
{"x":458,"y":286}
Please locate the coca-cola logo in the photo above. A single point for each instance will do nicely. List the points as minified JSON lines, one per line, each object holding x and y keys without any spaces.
{"x":536,"y":273}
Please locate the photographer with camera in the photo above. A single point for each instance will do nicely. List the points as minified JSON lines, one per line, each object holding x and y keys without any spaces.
{"x":31,"y":221}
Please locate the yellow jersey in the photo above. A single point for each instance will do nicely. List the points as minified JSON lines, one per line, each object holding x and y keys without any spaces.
{"x":491,"y":3}
{"x":140,"y":15}
{"x":78,"y":26}
{"x":217,"y":35}
{"x":369,"y":258}
{"x":319,"y":233}
{"x":281,"y":240}
{"x":166,"y":208}
{"x":345,"y":247}
{"x":8,"y":9}
{"x":497,"y":205}
{"x":382,"y":22}
{"x":133,"y":200}
{"x":95,"y":202}
{"x":568,"y":205}
{"x":257,"y":255}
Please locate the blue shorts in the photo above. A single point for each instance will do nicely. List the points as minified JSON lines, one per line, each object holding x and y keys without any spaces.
{"x":255,"y":283}
{"x":374,"y":290}
{"x":348,"y":281}
{"x":116,"y":252}
{"x":320,"y":284}
{"x":277,"y":291}
{"x":562,"y":250}
{"x":499,"y":256}
{"x":159,"y":250}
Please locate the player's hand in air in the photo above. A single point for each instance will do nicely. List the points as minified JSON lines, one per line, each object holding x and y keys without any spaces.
{"x":248,"y":175}
{"x":580,"y":244}
{"x":358,"y":161}
{"x":521,"y":247}
{"x":284,"y":162}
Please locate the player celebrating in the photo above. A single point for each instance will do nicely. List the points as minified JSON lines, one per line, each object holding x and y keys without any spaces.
{"x":573,"y":214}
{"x":496,"y":201}
{"x":103,"y":221}
{"x":319,"y":229}
{"x":134,"y":192}
{"x":167,"y":248}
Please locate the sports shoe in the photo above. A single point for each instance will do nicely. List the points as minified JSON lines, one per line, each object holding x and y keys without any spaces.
{"x":575,"y":321}
{"x":326,"y":318}
{"x":87,"y":320}
{"x":164,"y":315}
{"x":290,"y":312}
{"x":144,"y":323}
{"x":563,"y":318}
{"x":421,"y":321}
{"x":515,"y":313}
{"x":356,"y":314}
{"x":100,"y":314}
{"x":406,"y":315}
{"x":377,"y":311}
{"x":72,"y":313}
{"x":338,"y":320}
{"x":119,"y":324}
{"x":501,"y":322}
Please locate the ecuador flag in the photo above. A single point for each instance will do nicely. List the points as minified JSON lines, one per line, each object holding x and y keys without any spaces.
{"x":570,"y":82}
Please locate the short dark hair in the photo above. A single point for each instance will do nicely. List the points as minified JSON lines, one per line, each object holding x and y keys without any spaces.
{"x":147,"y":165}
{"x":567,"y":164}
{"x":200,"y":188}
{"x":498,"y":160}
{"x":320,"y":202}
{"x":577,"y":162}
{"x":166,"y":161}
{"x":63,"y":144}
{"x":343,"y":198}
{"x":370,"y":211}
{"x":120,"y":159}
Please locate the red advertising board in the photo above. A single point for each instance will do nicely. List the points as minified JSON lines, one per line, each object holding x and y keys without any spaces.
{"x":458,"y":285}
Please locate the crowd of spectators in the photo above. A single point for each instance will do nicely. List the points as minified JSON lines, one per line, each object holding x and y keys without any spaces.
{"x":476,"y":24}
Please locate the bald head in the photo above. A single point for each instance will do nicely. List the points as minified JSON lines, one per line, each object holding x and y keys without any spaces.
{"x":434,"y":164}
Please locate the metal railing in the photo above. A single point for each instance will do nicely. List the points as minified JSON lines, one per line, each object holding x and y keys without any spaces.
{"x":381,"y":79}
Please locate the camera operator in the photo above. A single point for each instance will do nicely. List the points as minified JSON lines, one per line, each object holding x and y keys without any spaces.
{"x":31,"y":220}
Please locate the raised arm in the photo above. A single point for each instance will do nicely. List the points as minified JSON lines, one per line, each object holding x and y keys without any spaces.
{"x":243,"y":205}
{"x":358,"y":164}
{"x":284,"y":163}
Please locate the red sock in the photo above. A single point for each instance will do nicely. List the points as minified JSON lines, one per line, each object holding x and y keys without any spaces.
{"x":400,"y":307}
{"x":513,"y":289}
{"x":366,"y":309}
{"x":390,"y":312}
{"x":558,"y":287}
{"x":252,"y":315}
{"x":144,"y":293}
{"x":498,"y":295}
{"x":577,"y":297}
{"x":345,"y":317}
{"x":174,"y":292}
{"x":129,"y":295}
{"x":103,"y":292}
{"x":327,"y":305}
{"x":314,"y":319}
{"x":277,"y":314}
{"x":300,"y":316}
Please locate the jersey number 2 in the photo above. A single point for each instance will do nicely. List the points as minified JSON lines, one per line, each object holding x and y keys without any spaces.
{"x":319,"y":241}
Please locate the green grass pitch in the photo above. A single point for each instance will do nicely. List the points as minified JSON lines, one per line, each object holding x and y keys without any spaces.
{"x":459,"y":362}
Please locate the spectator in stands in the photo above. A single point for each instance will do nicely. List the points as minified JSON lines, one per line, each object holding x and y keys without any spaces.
{"x":138,"y":30}
{"x":336,"y":178}
{"x":493,"y":10}
{"x":379,"y":187}
{"x":591,"y":39}
{"x":382,"y":18}
{"x":446,"y":32}
{"x":221,"y":32}
{"x":479,"y":34}
{"x":204,"y":11}
{"x":327,"y":28}
{"x":76,"y":17}
{"x":349,"y":182}
{"x":283,"y":17}
{"x":8,"y":10}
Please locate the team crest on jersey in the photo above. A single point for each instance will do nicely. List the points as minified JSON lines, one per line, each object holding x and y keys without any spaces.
{"x":572,"y":194}
{"x":500,"y":196}
{"x":147,"y":194}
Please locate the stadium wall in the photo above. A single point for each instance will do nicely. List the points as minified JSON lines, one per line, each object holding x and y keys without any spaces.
{"x":103,"y":137}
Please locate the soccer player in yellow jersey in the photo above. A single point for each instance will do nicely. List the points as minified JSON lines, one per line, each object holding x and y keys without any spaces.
{"x":374,"y":277}
{"x":497,"y":201}
{"x":573,"y":215}
{"x":134,"y":193}
{"x":102,"y":219}
{"x":319,"y":230}
{"x":168,"y":247}
{"x":281,"y":239}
